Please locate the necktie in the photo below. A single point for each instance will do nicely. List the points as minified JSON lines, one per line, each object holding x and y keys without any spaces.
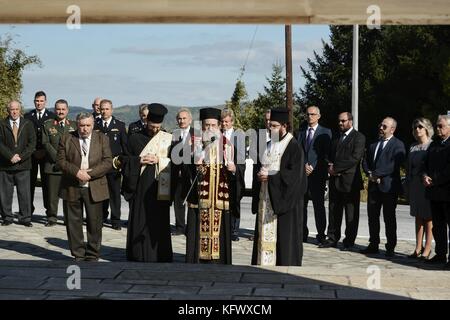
{"x":380,"y":148}
{"x":39,"y":116}
{"x":342,"y":138}
{"x":61,"y":124}
{"x":105,"y":125}
{"x":84,"y":147}
{"x":309,"y":138}
{"x":15,"y":130}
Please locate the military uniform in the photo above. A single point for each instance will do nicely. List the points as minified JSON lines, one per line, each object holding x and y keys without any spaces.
{"x":117,"y":135}
{"x":136,"y":127}
{"x":51,"y":135}
{"x":38,"y":158}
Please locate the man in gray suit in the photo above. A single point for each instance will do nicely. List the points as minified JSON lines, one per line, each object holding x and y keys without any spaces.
{"x":17,"y":144}
{"x":84,"y":157}
{"x":315,"y":141}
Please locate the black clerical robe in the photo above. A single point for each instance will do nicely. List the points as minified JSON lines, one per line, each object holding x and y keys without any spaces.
{"x":197,"y":244}
{"x":286,"y":189}
{"x":148,"y":237}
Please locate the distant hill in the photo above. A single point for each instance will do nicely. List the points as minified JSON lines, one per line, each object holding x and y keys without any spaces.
{"x":130,"y":113}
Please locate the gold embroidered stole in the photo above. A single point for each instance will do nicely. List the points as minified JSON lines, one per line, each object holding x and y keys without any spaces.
{"x":159,"y":145}
{"x":267,"y":220}
{"x":213,"y":199}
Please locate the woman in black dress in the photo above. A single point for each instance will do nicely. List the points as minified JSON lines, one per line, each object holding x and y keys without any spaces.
{"x":422,"y":130}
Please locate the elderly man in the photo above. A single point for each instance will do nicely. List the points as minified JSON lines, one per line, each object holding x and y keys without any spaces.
{"x":382,"y":167}
{"x":146,"y":184}
{"x":17,"y":144}
{"x":96,"y":109}
{"x":181,"y":140}
{"x":84,"y":157}
{"x":316,"y":142}
{"x":211,"y":176}
{"x":437,"y":182}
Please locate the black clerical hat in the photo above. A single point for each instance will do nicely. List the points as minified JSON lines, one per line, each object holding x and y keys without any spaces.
{"x":280,"y":115}
{"x":210,"y":113}
{"x":156,"y":112}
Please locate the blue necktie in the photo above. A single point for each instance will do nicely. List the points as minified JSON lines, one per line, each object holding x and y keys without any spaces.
{"x":309,"y":138}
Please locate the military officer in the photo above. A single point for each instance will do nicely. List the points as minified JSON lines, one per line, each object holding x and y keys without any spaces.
{"x":53,"y":130}
{"x":38,"y":115}
{"x":140,"y":125}
{"x":116,"y":132}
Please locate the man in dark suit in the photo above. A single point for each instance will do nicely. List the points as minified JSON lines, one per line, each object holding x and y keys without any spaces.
{"x":38,"y":116}
{"x":237,"y":140}
{"x":437,"y":182}
{"x":382,"y":166}
{"x":96,"y":109}
{"x":346,"y":182}
{"x":315,"y":141}
{"x":115,"y":130}
{"x":140,"y":125}
{"x":84,"y":157}
{"x":53,"y":130}
{"x":181,"y":142}
{"x":17,"y":143}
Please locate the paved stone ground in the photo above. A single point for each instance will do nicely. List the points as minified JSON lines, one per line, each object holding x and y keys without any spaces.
{"x":34,"y":262}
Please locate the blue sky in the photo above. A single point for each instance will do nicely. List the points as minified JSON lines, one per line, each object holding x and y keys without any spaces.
{"x":190,"y":65}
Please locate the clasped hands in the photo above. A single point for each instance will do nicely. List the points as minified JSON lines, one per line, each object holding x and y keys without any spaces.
{"x":263,"y":174}
{"x":15,"y":159}
{"x":149,"y":159}
{"x":83,"y":176}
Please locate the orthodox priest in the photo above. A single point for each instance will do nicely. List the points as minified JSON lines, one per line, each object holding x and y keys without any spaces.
{"x":146,"y":185}
{"x":211,"y":176}
{"x":278,"y":233}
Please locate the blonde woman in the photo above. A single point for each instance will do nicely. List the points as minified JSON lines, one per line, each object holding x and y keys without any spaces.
{"x":422,"y":130}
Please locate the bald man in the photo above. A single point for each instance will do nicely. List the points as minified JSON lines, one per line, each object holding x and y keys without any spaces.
{"x":17,"y":144}
{"x":382,"y":166}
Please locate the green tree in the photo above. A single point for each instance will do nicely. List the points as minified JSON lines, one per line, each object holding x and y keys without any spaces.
{"x":404,"y":73}
{"x":12,"y":63}
{"x":237,"y":99}
{"x":273,"y":96}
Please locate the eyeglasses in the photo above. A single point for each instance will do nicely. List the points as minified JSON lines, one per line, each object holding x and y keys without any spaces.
{"x":311,"y":114}
{"x":419,"y":126}
{"x":383,"y":126}
{"x":343,"y":120}
{"x":440,"y":126}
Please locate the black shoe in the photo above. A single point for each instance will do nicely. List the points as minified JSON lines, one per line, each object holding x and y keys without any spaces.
{"x":178,"y":232}
{"x":328,"y":244}
{"x":447,"y":266}
{"x":6,"y":223}
{"x":116,"y":226}
{"x":416,"y":255}
{"x":27,"y":224}
{"x":389,"y":253}
{"x":234,"y":238}
{"x":347,"y":248}
{"x":370,"y":250}
{"x":305,"y":240}
{"x":437,"y":260}
{"x":50,"y":224}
